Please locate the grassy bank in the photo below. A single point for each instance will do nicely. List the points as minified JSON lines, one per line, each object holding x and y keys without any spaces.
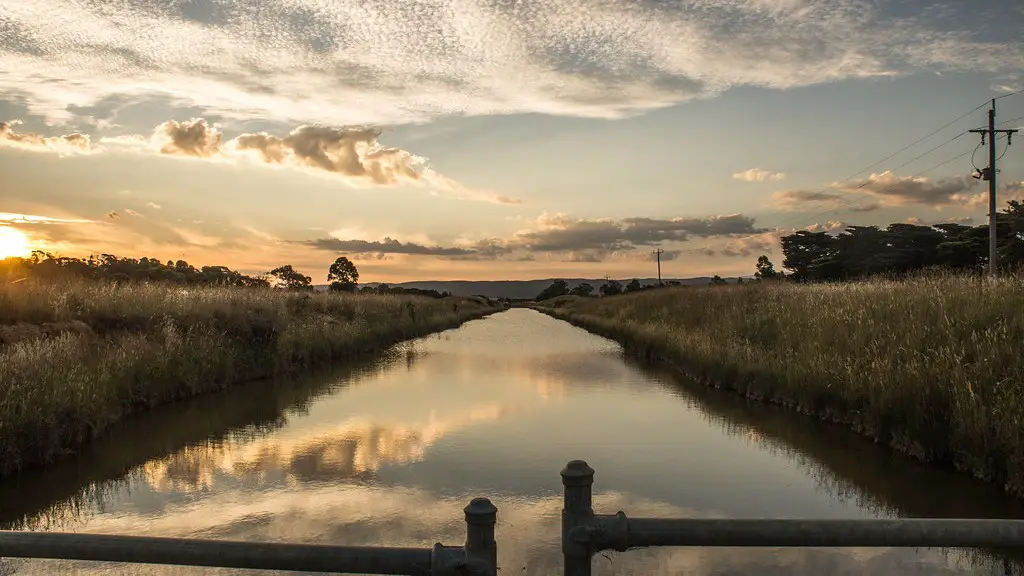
{"x":931,"y":366}
{"x":74,"y":358}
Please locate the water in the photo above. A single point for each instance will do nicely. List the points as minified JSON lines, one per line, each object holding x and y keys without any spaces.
{"x":387,"y":452}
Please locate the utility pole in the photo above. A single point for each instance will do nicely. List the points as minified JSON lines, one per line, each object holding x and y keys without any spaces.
{"x":989,"y":174}
{"x":658,"y":253}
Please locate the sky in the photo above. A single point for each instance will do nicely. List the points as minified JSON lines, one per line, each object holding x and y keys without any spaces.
{"x":500,"y":139}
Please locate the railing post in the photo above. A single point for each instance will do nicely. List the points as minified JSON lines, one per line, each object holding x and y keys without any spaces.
{"x":578,"y":511}
{"x":481,"y":549}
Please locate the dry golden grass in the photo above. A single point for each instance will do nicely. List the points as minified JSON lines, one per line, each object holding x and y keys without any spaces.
{"x":150,"y":344}
{"x":932,"y":366}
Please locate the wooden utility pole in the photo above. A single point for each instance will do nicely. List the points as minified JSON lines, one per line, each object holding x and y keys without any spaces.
{"x":658,"y":253}
{"x":989,"y":174}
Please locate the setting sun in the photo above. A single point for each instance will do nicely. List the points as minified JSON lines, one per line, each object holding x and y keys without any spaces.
{"x":12,"y":243}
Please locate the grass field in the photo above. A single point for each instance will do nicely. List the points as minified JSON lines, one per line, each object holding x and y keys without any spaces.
{"x":931,"y":366}
{"x":75,"y":357}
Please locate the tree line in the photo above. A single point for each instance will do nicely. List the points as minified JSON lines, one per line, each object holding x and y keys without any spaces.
{"x":898,"y":249}
{"x":342,"y":274}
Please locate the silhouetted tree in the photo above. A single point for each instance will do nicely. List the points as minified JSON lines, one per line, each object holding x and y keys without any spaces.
{"x":343,"y":276}
{"x":583,"y":289}
{"x":718,"y":281}
{"x":901,"y":248}
{"x":610,"y":288}
{"x":557,"y":288}
{"x":291,"y":279}
{"x":633,"y":286}
{"x":765,"y":268}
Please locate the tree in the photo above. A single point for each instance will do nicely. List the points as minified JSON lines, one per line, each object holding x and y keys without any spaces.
{"x":765,"y":268}
{"x":610,"y":288}
{"x":343,"y":275}
{"x":633,"y":286}
{"x":718,"y":281}
{"x":557,"y":288}
{"x":584,"y":289}
{"x":290,"y":279}
{"x":739,"y":280}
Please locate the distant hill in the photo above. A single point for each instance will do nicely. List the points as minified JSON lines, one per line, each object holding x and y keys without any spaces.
{"x":521,"y":288}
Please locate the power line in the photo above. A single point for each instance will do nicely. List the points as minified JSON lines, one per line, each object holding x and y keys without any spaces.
{"x":1014,"y":93}
{"x":890,"y":156}
{"x":864,"y":184}
{"x":889,"y":187}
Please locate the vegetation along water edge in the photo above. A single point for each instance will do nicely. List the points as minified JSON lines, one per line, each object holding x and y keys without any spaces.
{"x":78,"y":350}
{"x":929,"y":365}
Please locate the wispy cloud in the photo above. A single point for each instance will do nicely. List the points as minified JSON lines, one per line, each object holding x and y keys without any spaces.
{"x":350,"y":62}
{"x":10,"y":218}
{"x":759,"y":175}
{"x":352,"y":153}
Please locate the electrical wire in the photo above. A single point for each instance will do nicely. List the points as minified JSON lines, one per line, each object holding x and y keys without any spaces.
{"x":1014,"y":93}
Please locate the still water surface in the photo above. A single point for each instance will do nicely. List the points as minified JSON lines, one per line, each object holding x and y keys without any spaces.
{"x":389,"y":451}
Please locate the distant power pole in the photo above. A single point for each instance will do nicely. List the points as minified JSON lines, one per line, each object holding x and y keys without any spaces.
{"x":658,"y":253}
{"x":989,"y":174}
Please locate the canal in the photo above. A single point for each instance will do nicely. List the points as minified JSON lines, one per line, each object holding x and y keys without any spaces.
{"x":388,"y":451}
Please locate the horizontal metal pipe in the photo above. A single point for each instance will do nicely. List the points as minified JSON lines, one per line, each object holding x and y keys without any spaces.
{"x":218,"y":553}
{"x":939,"y":533}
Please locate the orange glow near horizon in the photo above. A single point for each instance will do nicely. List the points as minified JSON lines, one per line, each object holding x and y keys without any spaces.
{"x":13,"y":243}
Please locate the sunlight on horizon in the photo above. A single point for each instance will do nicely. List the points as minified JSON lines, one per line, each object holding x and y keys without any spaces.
{"x":13,"y":243}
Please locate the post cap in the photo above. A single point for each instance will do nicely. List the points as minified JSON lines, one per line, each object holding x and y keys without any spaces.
{"x":577,"y":473}
{"x":481,"y":511}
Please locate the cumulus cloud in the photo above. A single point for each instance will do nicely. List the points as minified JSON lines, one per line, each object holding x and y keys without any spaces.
{"x":885,"y":189}
{"x":349,"y":62}
{"x":758,"y":175}
{"x":68,"y":143}
{"x":830,"y":226}
{"x":351,"y":152}
{"x":909,"y":189}
{"x":154,"y":205}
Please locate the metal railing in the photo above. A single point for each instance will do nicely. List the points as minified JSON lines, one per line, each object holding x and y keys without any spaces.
{"x":478,"y":557}
{"x":584,"y":534}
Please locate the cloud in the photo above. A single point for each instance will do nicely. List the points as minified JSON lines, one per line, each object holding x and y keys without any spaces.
{"x":11,"y":218}
{"x":386,"y":246}
{"x":69,"y":143}
{"x":114,"y":215}
{"x":154,"y":205}
{"x":830,"y":226}
{"x":351,"y":152}
{"x":885,"y":189}
{"x":559,"y":232}
{"x":909,"y":189}
{"x":562,"y":236}
{"x":758,"y":175}
{"x":350,"y":62}
{"x":963,"y":220}
{"x":131,"y":212}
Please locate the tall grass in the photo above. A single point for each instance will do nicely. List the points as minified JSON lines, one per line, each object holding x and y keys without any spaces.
{"x":138,"y":346}
{"x":932,"y":366}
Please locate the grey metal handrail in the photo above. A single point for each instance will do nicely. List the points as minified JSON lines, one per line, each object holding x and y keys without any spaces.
{"x":478,"y":557}
{"x":585,"y":533}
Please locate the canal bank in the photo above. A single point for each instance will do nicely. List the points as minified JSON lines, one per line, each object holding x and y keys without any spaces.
{"x":389,"y":452}
{"x":755,"y":341}
{"x":140,"y":346}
